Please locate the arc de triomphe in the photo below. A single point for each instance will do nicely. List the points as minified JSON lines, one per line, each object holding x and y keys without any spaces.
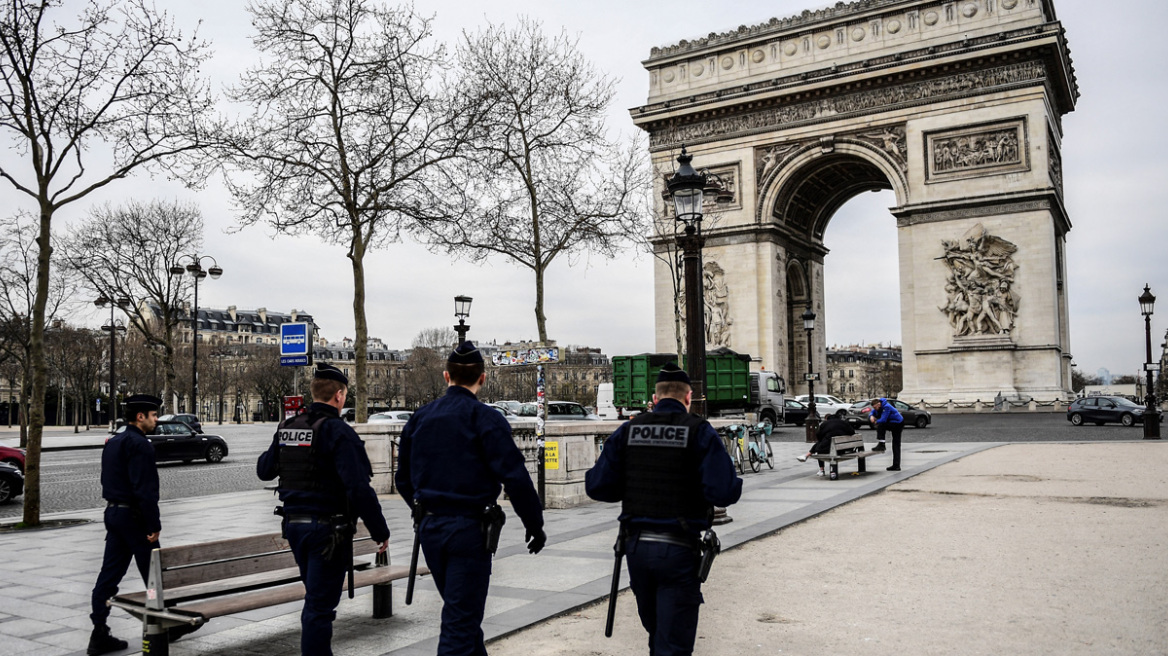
{"x":954,"y":106}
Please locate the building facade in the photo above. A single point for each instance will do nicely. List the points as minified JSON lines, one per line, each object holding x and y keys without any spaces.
{"x":856,"y":372}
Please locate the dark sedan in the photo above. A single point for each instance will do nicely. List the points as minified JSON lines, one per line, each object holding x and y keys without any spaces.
{"x":189,"y":420}
{"x":859,"y":412}
{"x":175,"y":440}
{"x":11,"y":483}
{"x":794,"y":412}
{"x":1102,"y":409}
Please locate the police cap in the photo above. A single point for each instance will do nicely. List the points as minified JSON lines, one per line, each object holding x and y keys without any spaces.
{"x":329,"y":372}
{"x":671,"y":373}
{"x":465,"y":353}
{"x":142,"y":403}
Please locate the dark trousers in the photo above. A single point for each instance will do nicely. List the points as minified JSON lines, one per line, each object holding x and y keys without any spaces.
{"x":664,"y":579}
{"x":125,"y":539}
{"x":323,"y":579}
{"x":895,"y":429}
{"x":461,"y":567}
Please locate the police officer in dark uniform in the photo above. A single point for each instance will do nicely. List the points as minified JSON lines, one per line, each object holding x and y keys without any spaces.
{"x":668,"y":469}
{"x":324,"y":485}
{"x":129,"y":484}
{"x":455,"y":454}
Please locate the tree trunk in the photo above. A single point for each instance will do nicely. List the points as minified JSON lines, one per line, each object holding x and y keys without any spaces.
{"x":357,"y":387}
{"x":22,"y":412}
{"x":169,"y":374}
{"x":32,"y":465}
{"x":540,"y":319}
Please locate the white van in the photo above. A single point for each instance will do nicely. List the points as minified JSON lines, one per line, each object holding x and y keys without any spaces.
{"x":604,"y":406}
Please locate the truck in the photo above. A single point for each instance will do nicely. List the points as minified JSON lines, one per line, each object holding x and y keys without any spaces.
{"x":604,"y":405}
{"x":731,"y":387}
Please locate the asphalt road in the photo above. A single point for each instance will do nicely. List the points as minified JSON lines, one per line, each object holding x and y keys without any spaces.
{"x":72,"y":479}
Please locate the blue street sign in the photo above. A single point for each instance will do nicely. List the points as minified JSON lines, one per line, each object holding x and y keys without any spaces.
{"x":294,"y":344}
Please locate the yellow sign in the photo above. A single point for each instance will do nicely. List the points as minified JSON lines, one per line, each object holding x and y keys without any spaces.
{"x":551,"y":455}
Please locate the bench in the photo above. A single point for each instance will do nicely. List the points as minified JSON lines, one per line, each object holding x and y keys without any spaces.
{"x":846,"y":447}
{"x":191,"y":584}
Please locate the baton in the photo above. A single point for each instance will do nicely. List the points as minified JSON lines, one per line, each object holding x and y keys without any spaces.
{"x":413,"y":567}
{"x":619,"y":552}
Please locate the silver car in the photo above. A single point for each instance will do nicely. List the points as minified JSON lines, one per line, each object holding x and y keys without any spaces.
{"x":391,"y":417}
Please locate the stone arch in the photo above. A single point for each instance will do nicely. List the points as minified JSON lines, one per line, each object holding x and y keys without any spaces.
{"x":960,"y":116}
{"x":806,"y":190}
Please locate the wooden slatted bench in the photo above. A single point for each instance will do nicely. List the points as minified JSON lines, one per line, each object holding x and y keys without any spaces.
{"x":846,"y":447}
{"x":191,"y":584}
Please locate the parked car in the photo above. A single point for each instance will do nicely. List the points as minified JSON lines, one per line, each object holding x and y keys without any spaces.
{"x":568,"y":411}
{"x":527,"y":410}
{"x":859,"y":412}
{"x":795,"y":412}
{"x":175,"y":440}
{"x":12,"y":456}
{"x":11,"y":482}
{"x":189,"y":420}
{"x":826,"y":405}
{"x":512,"y":406}
{"x":1102,"y":409}
{"x":390,"y":417}
{"x":511,"y":417}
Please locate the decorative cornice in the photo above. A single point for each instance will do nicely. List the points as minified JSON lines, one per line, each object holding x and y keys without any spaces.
{"x":975,"y":208}
{"x":836,"y":106}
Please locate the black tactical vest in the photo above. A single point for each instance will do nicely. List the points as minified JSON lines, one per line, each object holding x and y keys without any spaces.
{"x":302,"y":466}
{"x":661,"y":467}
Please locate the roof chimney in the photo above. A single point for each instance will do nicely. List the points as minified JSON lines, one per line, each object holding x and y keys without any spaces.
{"x":231,"y":311}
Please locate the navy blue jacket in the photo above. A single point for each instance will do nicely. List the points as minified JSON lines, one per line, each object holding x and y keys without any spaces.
{"x":336,"y":441}
{"x":457,"y":453}
{"x":888,"y":413}
{"x":721,"y":485}
{"x":129,"y":475}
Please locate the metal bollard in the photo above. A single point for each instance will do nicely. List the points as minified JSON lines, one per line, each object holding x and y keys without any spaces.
{"x":155,"y":640}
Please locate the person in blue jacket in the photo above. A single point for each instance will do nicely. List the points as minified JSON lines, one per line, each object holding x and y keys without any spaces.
{"x":668,"y":469}
{"x":885,"y":417}
{"x":455,"y":456}
{"x":324,"y":486}
{"x":129,"y":485}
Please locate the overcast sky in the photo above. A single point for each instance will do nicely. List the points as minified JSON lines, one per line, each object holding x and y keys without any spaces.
{"x":1114,"y":161}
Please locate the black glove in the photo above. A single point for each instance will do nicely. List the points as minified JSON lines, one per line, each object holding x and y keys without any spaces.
{"x":535,"y":539}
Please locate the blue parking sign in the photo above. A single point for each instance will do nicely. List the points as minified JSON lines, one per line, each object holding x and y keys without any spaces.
{"x":294,"y":344}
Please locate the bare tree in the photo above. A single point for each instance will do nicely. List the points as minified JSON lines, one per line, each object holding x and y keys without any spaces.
{"x":347,"y":129}
{"x":76,"y":357}
{"x":425,"y":364}
{"x":113,"y":72}
{"x":127,"y":252}
{"x":541,"y":179}
{"x":267,"y":379}
{"x":19,"y":256}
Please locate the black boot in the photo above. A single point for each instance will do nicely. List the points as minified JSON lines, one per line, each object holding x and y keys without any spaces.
{"x":879,"y":447}
{"x":101,"y":642}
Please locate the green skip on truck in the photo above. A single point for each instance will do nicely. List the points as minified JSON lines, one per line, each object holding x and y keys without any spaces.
{"x":731,"y":387}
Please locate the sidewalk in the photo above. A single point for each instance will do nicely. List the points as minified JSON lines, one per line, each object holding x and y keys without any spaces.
{"x":60,"y":438}
{"x":49,"y":573}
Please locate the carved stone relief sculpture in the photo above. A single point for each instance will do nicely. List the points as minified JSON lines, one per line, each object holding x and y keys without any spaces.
{"x":717,"y":305}
{"x":977,"y":150}
{"x":981,"y":299}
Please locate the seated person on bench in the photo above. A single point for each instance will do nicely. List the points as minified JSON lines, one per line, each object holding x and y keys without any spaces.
{"x":831,"y":427}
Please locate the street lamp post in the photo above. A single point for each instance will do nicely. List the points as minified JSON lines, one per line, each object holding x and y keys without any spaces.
{"x":196,"y":270}
{"x":113,"y":328}
{"x":462,"y":312}
{"x":812,"y":422}
{"x":1152,"y":413}
{"x":688,"y":188}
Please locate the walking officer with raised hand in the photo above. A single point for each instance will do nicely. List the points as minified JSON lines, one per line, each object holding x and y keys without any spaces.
{"x":129,"y":484}
{"x":324,"y":486}
{"x":668,"y":469}
{"x":455,"y":455}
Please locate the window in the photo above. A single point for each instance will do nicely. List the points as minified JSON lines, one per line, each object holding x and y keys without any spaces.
{"x":851,"y":387}
{"x":851,"y":373}
{"x":773,"y":385}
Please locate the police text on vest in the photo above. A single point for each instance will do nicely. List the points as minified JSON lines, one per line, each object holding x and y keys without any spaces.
{"x":658,"y":435}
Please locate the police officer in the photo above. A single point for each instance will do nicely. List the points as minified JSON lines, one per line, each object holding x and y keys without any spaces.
{"x":455,"y":454}
{"x":129,"y":484}
{"x":668,"y":469}
{"x":324,"y":485}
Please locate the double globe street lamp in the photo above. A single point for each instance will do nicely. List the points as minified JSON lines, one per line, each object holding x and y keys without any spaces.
{"x":113,"y":328}
{"x":812,"y":422}
{"x":1151,"y":413}
{"x":689,"y":190}
{"x":195,"y":268}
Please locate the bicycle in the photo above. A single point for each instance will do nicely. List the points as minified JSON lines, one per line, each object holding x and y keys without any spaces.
{"x":759,"y":448}
{"x":732,"y":438}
